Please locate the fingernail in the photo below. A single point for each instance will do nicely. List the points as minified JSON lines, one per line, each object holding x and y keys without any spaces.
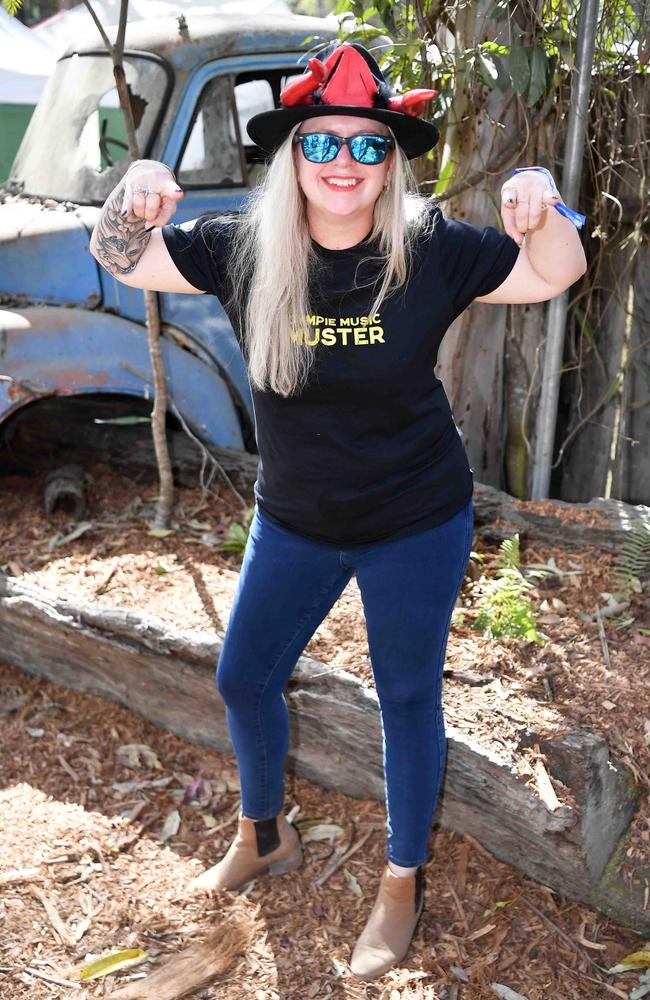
{"x":178,"y":189}
{"x":124,"y":212}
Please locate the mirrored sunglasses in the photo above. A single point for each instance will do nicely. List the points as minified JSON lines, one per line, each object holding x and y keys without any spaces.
{"x":322,"y":147}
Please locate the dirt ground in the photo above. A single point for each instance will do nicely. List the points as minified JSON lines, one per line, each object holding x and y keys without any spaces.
{"x":97,"y":841}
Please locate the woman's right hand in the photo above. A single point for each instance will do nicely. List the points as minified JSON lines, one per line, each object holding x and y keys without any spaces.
{"x":150,"y":193}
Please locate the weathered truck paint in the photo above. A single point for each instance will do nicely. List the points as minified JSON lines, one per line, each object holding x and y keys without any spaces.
{"x":101,"y":353}
{"x":67,"y":327}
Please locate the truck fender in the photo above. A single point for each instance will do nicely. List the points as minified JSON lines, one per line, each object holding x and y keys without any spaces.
{"x":60,"y":351}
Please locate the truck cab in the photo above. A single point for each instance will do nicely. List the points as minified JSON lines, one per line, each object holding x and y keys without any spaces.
{"x":67,"y":327}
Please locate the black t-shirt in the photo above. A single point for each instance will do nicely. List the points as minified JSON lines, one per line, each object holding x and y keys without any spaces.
{"x":369,"y":449}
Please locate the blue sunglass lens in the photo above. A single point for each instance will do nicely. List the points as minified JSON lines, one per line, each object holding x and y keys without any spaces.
{"x":319,"y":147}
{"x":369,"y":148}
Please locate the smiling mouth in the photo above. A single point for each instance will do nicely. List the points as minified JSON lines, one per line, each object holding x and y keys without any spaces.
{"x":342,"y":182}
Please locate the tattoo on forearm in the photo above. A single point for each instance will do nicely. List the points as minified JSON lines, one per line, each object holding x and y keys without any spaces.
{"x":120,"y":242}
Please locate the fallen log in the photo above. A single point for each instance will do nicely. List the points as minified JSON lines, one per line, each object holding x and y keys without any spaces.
{"x":65,"y":488}
{"x":601,"y":523}
{"x":168,"y":677}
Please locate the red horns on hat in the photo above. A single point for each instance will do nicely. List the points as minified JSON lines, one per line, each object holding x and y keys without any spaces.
{"x":345,"y":79}
{"x":412,"y":102}
{"x":299,"y":91}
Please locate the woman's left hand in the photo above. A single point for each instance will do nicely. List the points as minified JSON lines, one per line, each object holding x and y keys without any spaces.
{"x":524,"y":200}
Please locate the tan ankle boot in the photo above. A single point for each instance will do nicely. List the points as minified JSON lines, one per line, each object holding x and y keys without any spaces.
{"x":261,"y":847}
{"x":387,"y":935}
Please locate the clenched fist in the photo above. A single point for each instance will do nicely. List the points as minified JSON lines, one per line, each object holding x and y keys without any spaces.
{"x":150,"y":193}
{"x":523,"y":200}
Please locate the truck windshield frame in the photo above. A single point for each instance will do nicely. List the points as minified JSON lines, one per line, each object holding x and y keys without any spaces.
{"x":74,"y":148}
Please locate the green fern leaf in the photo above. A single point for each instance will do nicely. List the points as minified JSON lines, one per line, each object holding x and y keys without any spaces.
{"x":509,"y":555}
{"x":632,"y":562}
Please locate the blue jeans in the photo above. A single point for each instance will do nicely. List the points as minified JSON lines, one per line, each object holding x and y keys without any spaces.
{"x":286,"y":587}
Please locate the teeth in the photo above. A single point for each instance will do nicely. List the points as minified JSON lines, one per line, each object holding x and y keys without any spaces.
{"x":342,"y":182}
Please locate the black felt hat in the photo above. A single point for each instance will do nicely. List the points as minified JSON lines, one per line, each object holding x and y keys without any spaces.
{"x":348,"y":81}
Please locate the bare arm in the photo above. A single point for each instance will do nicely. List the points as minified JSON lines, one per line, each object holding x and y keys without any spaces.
{"x":127,"y":240}
{"x":552,"y":256}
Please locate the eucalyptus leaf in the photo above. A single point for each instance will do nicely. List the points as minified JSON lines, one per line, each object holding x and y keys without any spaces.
{"x":112,"y":963}
{"x":171,"y":826}
{"x":136,"y":755}
{"x":72,"y":536}
{"x":505,"y":992}
{"x":488,"y":69}
{"x":636,"y":960}
{"x":445,"y":178}
{"x":353,"y":883}
{"x":123,"y":421}
{"x":537,"y":85}
{"x":469,"y":69}
{"x":551,"y":62}
{"x":519,"y":69}
{"x":320,"y":832}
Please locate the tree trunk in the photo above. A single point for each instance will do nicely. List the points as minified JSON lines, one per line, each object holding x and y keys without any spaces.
{"x":491,"y":357}
{"x":159,"y":413}
{"x":471,"y":357}
{"x":165,"y":503}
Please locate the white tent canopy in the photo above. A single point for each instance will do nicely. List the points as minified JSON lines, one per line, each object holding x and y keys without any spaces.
{"x":27,"y":55}
{"x":25,"y":62}
{"x":58,"y":30}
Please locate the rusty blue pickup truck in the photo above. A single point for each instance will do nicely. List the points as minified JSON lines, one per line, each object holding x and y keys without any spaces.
{"x":67,"y":328}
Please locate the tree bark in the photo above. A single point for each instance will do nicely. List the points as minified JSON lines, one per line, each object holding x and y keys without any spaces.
{"x":165,"y":503}
{"x":168,"y":677}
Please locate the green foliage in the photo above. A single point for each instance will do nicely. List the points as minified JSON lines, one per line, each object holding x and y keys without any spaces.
{"x":509,"y":552}
{"x":238,"y":533}
{"x":505,"y":608}
{"x":445,"y":178}
{"x":519,"y":69}
{"x":31,"y":11}
{"x":632,"y":562}
{"x":422,"y":44}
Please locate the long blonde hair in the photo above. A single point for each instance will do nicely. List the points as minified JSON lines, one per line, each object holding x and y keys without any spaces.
{"x":273,"y":259}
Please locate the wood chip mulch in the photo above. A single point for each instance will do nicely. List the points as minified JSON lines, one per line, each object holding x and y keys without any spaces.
{"x":97,"y":842}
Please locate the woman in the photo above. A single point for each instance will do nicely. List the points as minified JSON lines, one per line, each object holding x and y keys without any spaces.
{"x":340,"y":284}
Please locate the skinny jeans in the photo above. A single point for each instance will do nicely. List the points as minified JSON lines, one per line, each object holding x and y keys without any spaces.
{"x":286,"y":587}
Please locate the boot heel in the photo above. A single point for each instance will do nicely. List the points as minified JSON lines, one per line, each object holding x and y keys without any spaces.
{"x":286,"y":864}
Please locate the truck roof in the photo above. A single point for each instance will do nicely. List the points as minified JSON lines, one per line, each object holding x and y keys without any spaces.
{"x":213,"y":36}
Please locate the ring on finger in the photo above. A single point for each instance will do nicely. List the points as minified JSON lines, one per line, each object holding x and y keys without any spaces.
{"x":141,"y":190}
